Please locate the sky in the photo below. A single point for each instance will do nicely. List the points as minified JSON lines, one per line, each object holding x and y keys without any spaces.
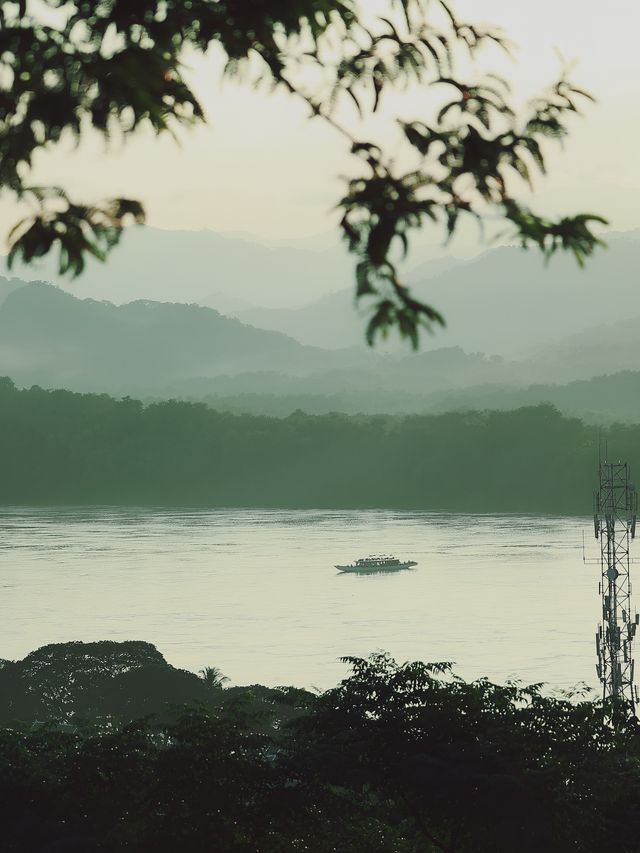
{"x":262,"y":167}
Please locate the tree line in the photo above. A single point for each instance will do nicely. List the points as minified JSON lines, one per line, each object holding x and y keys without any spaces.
{"x":58,"y":447}
{"x":106,"y":747}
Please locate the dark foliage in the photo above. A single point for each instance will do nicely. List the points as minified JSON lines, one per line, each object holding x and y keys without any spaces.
{"x":396,"y":759}
{"x":106,"y":684}
{"x":75,"y":682}
{"x":57,"y":447}
{"x":115,"y":66}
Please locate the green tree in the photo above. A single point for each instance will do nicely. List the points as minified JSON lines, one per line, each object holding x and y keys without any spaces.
{"x":76,"y":682}
{"x":398,"y":758}
{"x":57,"y":447}
{"x":116,"y":65}
{"x":213,"y":677}
{"x":459,"y":766}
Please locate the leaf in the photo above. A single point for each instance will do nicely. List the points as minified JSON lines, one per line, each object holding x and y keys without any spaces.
{"x":120,"y":65}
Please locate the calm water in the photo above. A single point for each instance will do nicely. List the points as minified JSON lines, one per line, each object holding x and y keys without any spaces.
{"x":255,"y":592}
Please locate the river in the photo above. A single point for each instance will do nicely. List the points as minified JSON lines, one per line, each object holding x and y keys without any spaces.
{"x":256,"y":594}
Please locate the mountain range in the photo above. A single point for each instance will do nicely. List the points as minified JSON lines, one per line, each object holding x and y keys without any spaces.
{"x":503,"y":309}
{"x":195,"y":266}
{"x":51,"y":338}
{"x":505,"y":301}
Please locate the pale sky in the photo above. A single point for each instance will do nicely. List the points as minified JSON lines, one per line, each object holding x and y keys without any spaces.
{"x":261,"y":167}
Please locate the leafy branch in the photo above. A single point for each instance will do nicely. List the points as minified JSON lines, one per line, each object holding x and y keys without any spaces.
{"x":117,"y":66}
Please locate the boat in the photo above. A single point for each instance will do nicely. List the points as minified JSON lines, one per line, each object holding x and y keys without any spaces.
{"x":377,"y":563}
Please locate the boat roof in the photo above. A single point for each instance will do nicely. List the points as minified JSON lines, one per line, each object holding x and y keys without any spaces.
{"x":377,"y":557}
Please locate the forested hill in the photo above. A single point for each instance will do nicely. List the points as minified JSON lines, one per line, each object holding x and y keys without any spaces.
{"x":51,"y":338}
{"x":601,"y":400}
{"x":57,"y":447}
{"x":160,"y":350}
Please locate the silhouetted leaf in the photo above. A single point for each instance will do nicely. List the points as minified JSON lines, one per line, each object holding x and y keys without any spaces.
{"x":118,"y":65}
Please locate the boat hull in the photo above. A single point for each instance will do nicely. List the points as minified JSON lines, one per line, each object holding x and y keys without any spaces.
{"x":370,"y":570}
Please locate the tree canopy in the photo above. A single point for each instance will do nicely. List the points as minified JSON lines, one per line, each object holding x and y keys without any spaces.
{"x":117,"y":65}
{"x":57,"y":447}
{"x":398,"y":758}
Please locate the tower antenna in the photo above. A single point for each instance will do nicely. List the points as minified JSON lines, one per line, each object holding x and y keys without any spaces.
{"x":614,"y":516}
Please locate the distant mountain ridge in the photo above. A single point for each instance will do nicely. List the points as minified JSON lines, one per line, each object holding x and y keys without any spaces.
{"x":49,"y":337}
{"x":608,"y":399}
{"x":189,"y":266}
{"x":145,"y":347}
{"x":505,"y":301}
{"x":333,"y":321}
{"x":610,"y":347}
{"x":8,"y":285}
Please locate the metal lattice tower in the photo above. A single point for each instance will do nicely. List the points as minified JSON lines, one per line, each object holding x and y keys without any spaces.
{"x":615,"y":507}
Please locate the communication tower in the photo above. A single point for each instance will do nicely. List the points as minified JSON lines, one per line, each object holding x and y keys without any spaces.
{"x":614,"y":516}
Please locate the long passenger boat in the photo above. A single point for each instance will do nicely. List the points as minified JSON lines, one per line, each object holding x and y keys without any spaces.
{"x":377,"y":563}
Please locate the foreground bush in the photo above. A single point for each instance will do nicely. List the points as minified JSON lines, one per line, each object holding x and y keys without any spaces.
{"x":396,"y":759}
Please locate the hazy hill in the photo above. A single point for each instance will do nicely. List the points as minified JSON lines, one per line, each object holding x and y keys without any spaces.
{"x":53,"y":339}
{"x":505,"y":301}
{"x":508,"y":300}
{"x":191,"y":266}
{"x":369,"y":385}
{"x":8,"y":285}
{"x":49,"y":337}
{"x":229,"y":305}
{"x":612,"y":348}
{"x":602,"y":399}
{"x":228,"y":272}
{"x":332,"y":321}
